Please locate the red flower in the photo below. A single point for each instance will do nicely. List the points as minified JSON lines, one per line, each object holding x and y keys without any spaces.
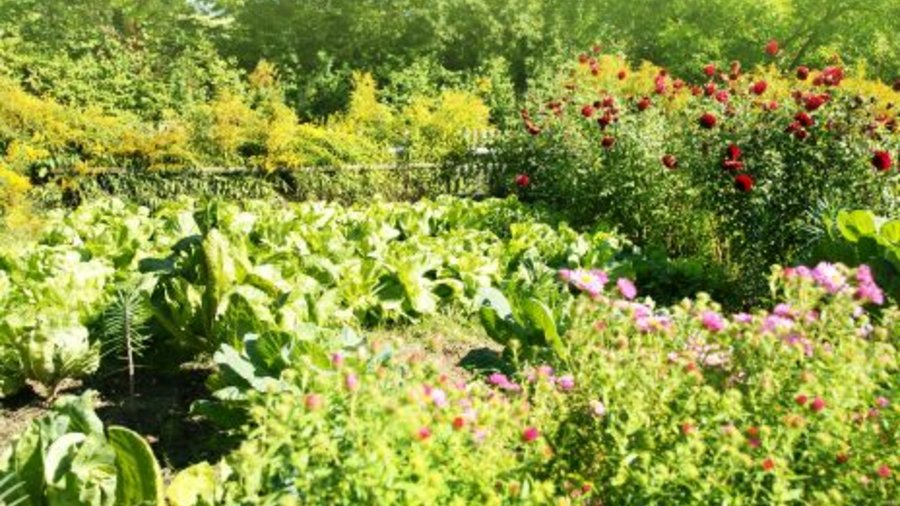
{"x":804,"y":119}
{"x":801,"y":134}
{"x":772,"y":105}
{"x":678,"y":84}
{"x":643,"y":104}
{"x":832,"y":76}
{"x":583,"y":58}
{"x":608,"y":141}
{"x":687,"y":429}
{"x":818,"y":404}
{"x":696,"y":91}
{"x":722,"y":96}
{"x":733,"y":152}
{"x":522,"y":180}
{"x":708,"y":120}
{"x":423,"y":433}
{"x":604,"y":120}
{"x":753,"y":431}
{"x":882,"y":160}
{"x":608,"y":102}
{"x":587,"y":111}
{"x":801,"y":399}
{"x":813,"y":102}
{"x":532,"y":128}
{"x":597,"y":48}
{"x":622,"y":75}
{"x":772,"y":47}
{"x":802,"y":72}
{"x":759,"y":87}
{"x":458,"y":423}
{"x":710,"y":69}
{"x":743,"y":182}
{"x":768,"y":464}
{"x":709,"y":88}
{"x":660,"y":83}
{"x":530,"y":434}
{"x":884,"y":472}
{"x":842,"y":458}
{"x":670,"y":161}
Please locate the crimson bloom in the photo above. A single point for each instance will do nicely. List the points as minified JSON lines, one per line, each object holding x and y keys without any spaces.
{"x":813,"y":102}
{"x":587,"y":111}
{"x":804,"y":119}
{"x":710,"y":70}
{"x":882,"y":161}
{"x":768,"y":464}
{"x":622,"y":75}
{"x":644,"y":104}
{"x":772,"y":47}
{"x":884,"y":471}
{"x":832,"y":76}
{"x":733,"y":152}
{"x":759,"y":87}
{"x":743,"y":182}
{"x":670,"y":161}
{"x":530,"y":434}
{"x":523,"y":181}
{"x":802,"y":72}
{"x":458,"y":423}
{"x":708,"y":120}
{"x":608,"y":141}
{"x":801,"y":399}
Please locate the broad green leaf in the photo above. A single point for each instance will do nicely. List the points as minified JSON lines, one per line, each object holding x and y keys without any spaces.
{"x":194,"y":486}
{"x":139,"y":480}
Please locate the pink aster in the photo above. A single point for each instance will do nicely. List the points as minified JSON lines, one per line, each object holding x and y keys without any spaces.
{"x":530,"y":434}
{"x":712,"y":321}
{"x":626,"y":288}
{"x":566,"y":383}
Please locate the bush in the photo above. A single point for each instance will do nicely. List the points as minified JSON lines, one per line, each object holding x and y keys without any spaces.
{"x":727,"y":171}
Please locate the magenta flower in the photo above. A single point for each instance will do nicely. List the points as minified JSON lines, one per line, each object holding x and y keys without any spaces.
{"x":867,"y":289}
{"x":626,"y":288}
{"x":337,"y":359}
{"x":530,"y":434}
{"x":423,"y":433}
{"x":497,"y":379}
{"x":591,"y":282}
{"x":712,"y":321}
{"x":566,"y":383}
{"x":882,"y":402}
{"x":784,"y":310}
{"x":829,"y":277}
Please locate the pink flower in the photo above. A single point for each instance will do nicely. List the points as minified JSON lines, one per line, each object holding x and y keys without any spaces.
{"x":829,"y":277}
{"x":626,"y":288}
{"x":530,"y":434}
{"x":722,"y":96}
{"x":884,"y":471}
{"x":783,"y":310}
{"x":867,"y":289}
{"x":743,"y":318}
{"x":712,"y":321}
{"x":598,"y":410}
{"x":337,"y":359}
{"x":818,"y":404}
{"x":566,"y":383}
{"x":351,"y":382}
{"x":423,"y":433}
{"x":882,"y":402}
{"x":759,"y":87}
{"x":313,"y":402}
{"x":438,"y":397}
{"x":498,"y":379}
